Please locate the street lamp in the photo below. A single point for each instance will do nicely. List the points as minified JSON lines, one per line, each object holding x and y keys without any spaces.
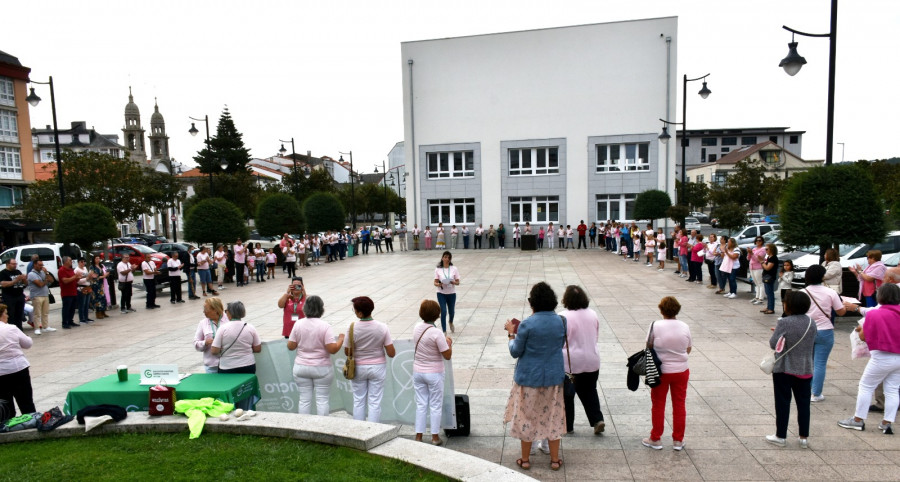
{"x":352,"y":195}
{"x":665,"y":136}
{"x":193,"y":132}
{"x":794,"y":62}
{"x":383,"y":182}
{"x":294,"y":157}
{"x":34,"y":100}
{"x":175,"y":169}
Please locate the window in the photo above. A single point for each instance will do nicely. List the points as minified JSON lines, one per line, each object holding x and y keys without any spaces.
{"x":10,"y":163}
{"x":451,"y":164}
{"x":748,"y":140}
{"x":774,"y":139}
{"x":794,"y":139}
{"x":451,"y":211}
{"x":709,"y":141}
{"x":729,"y":141}
{"x":623,"y":157}
{"x":47,"y":155}
{"x":534,"y":161}
{"x":10,"y":196}
{"x":9,"y":131}
{"x":7,"y":94}
{"x":726,"y":150}
{"x":616,"y":207}
{"x":712,"y":158}
{"x":46,"y":254}
{"x":719,"y":178}
{"x":700,"y":178}
{"x":702,"y":154}
{"x":539,"y":209}
{"x":771,"y":158}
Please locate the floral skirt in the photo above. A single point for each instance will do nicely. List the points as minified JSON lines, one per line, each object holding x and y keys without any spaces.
{"x":536,"y":413}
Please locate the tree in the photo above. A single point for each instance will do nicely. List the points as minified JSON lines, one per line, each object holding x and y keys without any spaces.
{"x":696,"y":194}
{"x":227,"y":145}
{"x":731,"y":217}
{"x":367,"y":199}
{"x":885,"y":175}
{"x":829,"y":205}
{"x":652,"y":204}
{"x":749,"y":186}
{"x":214,"y":220}
{"x":119,"y":184}
{"x":162,"y":190}
{"x":241,"y":188}
{"x":85,"y":223}
{"x":279,"y":213}
{"x":323,"y":212}
{"x":677,"y":213}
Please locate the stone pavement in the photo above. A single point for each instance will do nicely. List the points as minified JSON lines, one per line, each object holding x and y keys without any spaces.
{"x":729,"y":402}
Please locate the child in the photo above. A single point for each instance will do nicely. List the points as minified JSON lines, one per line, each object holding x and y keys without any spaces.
{"x":624,"y":253}
{"x":637,"y":248}
{"x":270,"y":263}
{"x":661,"y":255}
{"x":650,"y":247}
{"x":251,"y":266}
{"x":785,"y":277}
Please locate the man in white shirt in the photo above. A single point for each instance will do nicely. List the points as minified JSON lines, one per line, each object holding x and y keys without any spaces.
{"x":149,"y":270}
{"x":388,"y":239}
{"x":175,"y":265}
{"x":454,"y":237}
{"x":401,"y":235}
{"x":465,"y":236}
{"x":240,"y":261}
{"x":479,"y":231}
{"x":416,"y":232}
{"x":126,"y":279}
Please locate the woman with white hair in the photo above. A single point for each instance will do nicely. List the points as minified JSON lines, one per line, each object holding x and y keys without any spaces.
{"x":314,"y":341}
{"x":236,"y":342}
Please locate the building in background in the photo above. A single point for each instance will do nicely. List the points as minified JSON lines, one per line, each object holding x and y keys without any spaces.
{"x":778,"y":161}
{"x":558,"y":124}
{"x":78,"y":138}
{"x":709,"y":145}
{"x":397,"y":167}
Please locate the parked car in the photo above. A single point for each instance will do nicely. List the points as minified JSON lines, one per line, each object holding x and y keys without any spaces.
{"x":265,"y":242}
{"x":692,"y":223}
{"x":772,"y":219}
{"x":183,"y":250}
{"x":702,"y":217}
{"x":850,"y":255}
{"x":137,"y":252}
{"x":748,"y":234}
{"x":50,"y":253}
{"x":754,"y":218}
{"x":150,"y":239}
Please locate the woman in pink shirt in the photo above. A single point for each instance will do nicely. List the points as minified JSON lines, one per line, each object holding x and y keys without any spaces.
{"x":15,"y":380}
{"x":870,"y":278}
{"x":432,"y":348}
{"x":671,"y":339}
{"x":582,"y":352}
{"x":540,"y":239}
{"x":696,"y":264}
{"x":756,"y":257}
{"x":315,"y":343}
{"x":214,"y":317}
{"x":369,"y":340}
{"x":292,"y":305}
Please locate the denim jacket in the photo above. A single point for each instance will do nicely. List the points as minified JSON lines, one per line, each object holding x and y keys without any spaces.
{"x":538,"y":346}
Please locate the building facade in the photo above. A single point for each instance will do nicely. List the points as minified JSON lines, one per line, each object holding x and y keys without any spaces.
{"x":778,"y":161}
{"x":709,"y":145}
{"x":555,"y":125}
{"x":16,"y":156}
{"x":78,"y":138}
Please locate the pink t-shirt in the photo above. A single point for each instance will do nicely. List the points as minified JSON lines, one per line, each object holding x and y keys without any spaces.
{"x":240,"y":253}
{"x":239,"y":354}
{"x":311,"y":336}
{"x":369,"y":339}
{"x":290,"y":308}
{"x":202,"y":260}
{"x":671,"y":339}
{"x":754,"y":261}
{"x":12,"y":341}
{"x":428,"y":358}
{"x":445,"y":275}
{"x":695,"y":252}
{"x":582,"y":331}
{"x":207,"y":329}
{"x":828,"y":299}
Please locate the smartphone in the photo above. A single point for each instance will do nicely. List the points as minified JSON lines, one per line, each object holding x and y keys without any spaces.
{"x":516,"y":322}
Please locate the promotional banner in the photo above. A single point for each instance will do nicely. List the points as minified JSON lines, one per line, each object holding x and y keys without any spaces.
{"x":274,"y":369}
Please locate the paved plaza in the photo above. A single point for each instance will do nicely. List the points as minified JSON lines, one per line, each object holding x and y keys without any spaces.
{"x":729,"y":402}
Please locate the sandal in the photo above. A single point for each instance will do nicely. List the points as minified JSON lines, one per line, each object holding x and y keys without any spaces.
{"x":523,"y":464}
{"x":767,"y":312}
{"x":557,"y":463}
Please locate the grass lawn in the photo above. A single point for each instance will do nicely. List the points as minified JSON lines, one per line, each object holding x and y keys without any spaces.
{"x":213,"y":456}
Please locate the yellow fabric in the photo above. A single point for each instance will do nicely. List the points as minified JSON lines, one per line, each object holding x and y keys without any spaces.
{"x":198,"y":410}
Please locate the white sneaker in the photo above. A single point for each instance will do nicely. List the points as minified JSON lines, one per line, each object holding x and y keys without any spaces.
{"x":816,"y":398}
{"x":732,"y":296}
{"x":804,"y":443}
{"x":775,"y":440}
{"x":49,"y":329}
{"x":726,"y":295}
{"x":37,"y":331}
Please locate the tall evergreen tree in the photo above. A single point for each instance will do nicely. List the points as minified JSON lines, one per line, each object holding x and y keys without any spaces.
{"x":227,"y":145}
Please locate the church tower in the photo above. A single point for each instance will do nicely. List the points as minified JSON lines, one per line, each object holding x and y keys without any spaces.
{"x":133,"y":132}
{"x":159,"y":141}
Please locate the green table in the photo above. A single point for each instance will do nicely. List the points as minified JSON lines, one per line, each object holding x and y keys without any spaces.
{"x":228,"y":387}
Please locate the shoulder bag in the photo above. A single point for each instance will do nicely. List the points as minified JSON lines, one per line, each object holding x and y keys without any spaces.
{"x":811,"y":297}
{"x":648,"y":363}
{"x":768,"y":363}
{"x":569,"y":382}
{"x":350,"y":363}
{"x":420,"y":339}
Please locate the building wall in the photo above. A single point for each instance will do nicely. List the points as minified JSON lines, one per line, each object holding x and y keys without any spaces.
{"x":568,"y":87}
{"x":696,"y":149}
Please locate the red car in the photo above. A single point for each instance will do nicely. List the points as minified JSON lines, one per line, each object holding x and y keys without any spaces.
{"x":137,"y":253}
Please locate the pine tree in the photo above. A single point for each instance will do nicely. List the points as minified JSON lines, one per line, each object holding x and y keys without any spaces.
{"x":227,"y":145}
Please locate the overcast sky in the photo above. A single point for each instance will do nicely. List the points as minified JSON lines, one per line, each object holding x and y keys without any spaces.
{"x":328,"y":74}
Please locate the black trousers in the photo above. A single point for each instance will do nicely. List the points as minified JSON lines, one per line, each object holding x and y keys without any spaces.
{"x":15,"y":306}
{"x":477,"y":242}
{"x":174,"y":288}
{"x":711,"y":268}
{"x":18,"y":386}
{"x":801,"y":388}
{"x":695,"y":269}
{"x":586,"y":389}
{"x":388,"y":245}
{"x":150,"y":286}
{"x":239,"y":273}
{"x":125,"y":289}
{"x":582,"y":241}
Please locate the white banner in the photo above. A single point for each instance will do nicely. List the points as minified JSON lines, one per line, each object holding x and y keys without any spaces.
{"x":274,"y":369}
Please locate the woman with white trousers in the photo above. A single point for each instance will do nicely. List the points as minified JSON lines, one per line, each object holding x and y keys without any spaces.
{"x":432,"y":348}
{"x":315,"y":343}
{"x":369,"y":341}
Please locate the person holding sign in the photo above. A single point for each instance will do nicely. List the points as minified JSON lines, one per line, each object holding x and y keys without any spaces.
{"x":446,"y":278}
{"x":292,"y":304}
{"x":369,"y":340}
{"x":432,"y":348}
{"x":315,"y":343}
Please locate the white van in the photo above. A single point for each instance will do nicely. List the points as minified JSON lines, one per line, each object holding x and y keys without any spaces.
{"x":50,"y":253}
{"x":850,"y":255}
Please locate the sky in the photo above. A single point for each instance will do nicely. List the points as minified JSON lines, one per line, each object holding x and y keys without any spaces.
{"x":328,"y":74}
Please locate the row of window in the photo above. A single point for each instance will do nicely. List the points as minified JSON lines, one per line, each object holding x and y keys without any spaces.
{"x":745,"y":141}
{"x":533,"y":209}
{"x":10,"y":196}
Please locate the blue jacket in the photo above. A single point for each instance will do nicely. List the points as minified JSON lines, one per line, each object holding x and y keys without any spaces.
{"x":538,"y":346}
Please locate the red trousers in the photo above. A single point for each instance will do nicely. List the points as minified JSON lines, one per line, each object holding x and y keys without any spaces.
{"x":678,"y":383}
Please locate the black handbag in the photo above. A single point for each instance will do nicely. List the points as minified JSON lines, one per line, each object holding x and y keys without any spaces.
{"x":648,"y":363}
{"x":51,"y":298}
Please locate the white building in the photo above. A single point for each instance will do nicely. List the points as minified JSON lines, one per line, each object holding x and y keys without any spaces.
{"x":709,"y":145}
{"x":557,"y":124}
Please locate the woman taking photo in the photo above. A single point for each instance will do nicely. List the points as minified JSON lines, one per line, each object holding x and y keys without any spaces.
{"x":432,"y":348}
{"x":823,"y":300}
{"x":581,"y":358}
{"x":214,"y":318}
{"x":15,"y":379}
{"x":793,"y":340}
{"x":671,"y":339}
{"x":869,"y":278}
{"x":315,"y":343}
{"x":292,"y":304}
{"x":98,"y":285}
{"x":536,"y":408}
{"x":770,"y":277}
{"x":369,"y":340}
{"x":446,"y":279}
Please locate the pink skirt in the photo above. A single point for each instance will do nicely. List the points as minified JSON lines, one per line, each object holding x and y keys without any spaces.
{"x":536,"y":413}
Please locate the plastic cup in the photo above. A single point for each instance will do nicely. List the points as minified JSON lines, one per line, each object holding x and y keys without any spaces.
{"x":122,"y":371}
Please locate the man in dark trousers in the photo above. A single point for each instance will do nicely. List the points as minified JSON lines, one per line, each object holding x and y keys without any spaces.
{"x":582,"y":230}
{"x":68,"y":290}
{"x":12,"y":282}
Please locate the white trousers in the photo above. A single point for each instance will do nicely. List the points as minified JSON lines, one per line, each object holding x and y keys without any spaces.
{"x":368,"y":388}
{"x":312,"y":380}
{"x":549,"y":242}
{"x":883,"y":366}
{"x":760,"y":289}
{"x":429,"y":396}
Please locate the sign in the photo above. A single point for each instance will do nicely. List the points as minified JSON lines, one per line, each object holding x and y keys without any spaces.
{"x":274,"y":370}
{"x":152,"y":374}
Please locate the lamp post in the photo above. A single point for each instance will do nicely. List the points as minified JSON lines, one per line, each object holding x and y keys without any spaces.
{"x":34,"y":100}
{"x":384,"y":183}
{"x":352,"y":195}
{"x":794,"y":62}
{"x":665,"y":136}
{"x":294,"y":157}
{"x":193,"y":131}
{"x":173,"y":171}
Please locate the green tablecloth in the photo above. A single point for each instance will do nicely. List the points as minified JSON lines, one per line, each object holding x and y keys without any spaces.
{"x":228,"y":387}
